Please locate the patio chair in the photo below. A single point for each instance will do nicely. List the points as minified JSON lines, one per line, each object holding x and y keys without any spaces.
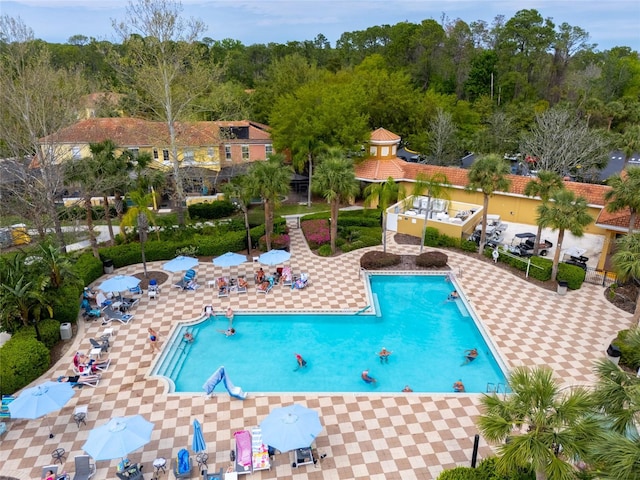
{"x":49,"y":468}
{"x":243,"y":453}
{"x":223,"y":287}
{"x":89,"y":312}
{"x":102,"y":301}
{"x":213,"y":476}
{"x":287,"y":277}
{"x":242,"y":284}
{"x":4,"y":410}
{"x":84,"y":468}
{"x":182,"y":465}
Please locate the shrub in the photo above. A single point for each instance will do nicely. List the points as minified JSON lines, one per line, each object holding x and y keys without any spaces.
{"x":211,"y":211}
{"x":22,"y":360}
{"x":630,"y":356}
{"x":458,"y":473}
{"x":468,"y":246}
{"x":316,"y":232}
{"x":432,"y":260}
{"x":487,"y":471}
{"x":67,"y":306}
{"x":324,"y":251}
{"x":375,"y":260}
{"x":572,"y":274}
{"x":88,"y":268}
{"x":49,"y":332}
{"x":278,"y":242}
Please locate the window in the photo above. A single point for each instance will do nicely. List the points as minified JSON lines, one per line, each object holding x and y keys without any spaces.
{"x":165,"y":156}
{"x":227,"y":153}
{"x":268,"y":150}
{"x":245,"y":153}
{"x":210,"y":152}
{"x":189,"y":156}
{"x":135,"y":151}
{"x":75,"y":153}
{"x":155,"y":154}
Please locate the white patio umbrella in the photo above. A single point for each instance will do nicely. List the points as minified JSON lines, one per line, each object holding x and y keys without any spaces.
{"x":118,"y":437}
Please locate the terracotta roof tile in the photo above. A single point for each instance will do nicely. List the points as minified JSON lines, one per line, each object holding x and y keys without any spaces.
{"x":383,"y":135}
{"x":369,"y":170}
{"x":619,"y":219}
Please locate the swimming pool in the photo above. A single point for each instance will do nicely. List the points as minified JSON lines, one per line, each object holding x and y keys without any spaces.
{"x":426,"y":333}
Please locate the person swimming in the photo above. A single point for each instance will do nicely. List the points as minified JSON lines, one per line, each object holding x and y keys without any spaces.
{"x":458,"y":386}
{"x":368,"y":379}
{"x":470,"y":355}
{"x":301,"y":361}
{"x":453,"y":295}
{"x":188,"y":337}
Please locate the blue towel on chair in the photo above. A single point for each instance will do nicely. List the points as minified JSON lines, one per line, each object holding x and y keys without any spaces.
{"x":183,"y":461}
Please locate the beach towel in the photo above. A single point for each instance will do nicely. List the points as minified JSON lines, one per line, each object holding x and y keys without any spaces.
{"x":183,"y":461}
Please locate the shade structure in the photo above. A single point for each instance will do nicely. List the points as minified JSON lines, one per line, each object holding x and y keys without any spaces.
{"x":274,"y":257}
{"x":119,"y":283}
{"x":118,"y":437}
{"x":180,"y":264}
{"x":40,"y":400}
{"x":290,"y":427}
{"x":229,"y":259}
{"x":198,"y":444}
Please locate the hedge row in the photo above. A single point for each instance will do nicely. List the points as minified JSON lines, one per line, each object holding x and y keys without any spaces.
{"x":486,"y":470}
{"x":211,"y":211}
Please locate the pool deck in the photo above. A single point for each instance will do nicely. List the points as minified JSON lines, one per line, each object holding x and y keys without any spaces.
{"x":376,"y":436}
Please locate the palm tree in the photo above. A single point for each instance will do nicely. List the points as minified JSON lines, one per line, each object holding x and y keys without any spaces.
{"x":58,"y":266}
{"x":539,"y":424}
{"x":139,"y":215}
{"x":563,"y":212}
{"x":269,"y":180}
{"x":543,"y":186}
{"x":336,"y":181}
{"x":487,"y":174}
{"x":625,"y":193}
{"x":616,"y":452}
{"x":238,"y":190}
{"x":435,"y":186}
{"x":384,"y":194}
{"x":626,"y":263}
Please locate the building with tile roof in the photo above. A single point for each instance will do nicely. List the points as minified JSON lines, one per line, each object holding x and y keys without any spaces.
{"x":210,"y":145}
{"x":512,"y":206}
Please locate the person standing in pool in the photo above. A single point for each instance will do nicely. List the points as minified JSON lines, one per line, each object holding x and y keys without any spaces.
{"x":458,"y":386}
{"x":384,"y":355}
{"x":153,"y":339}
{"x":301,"y":361}
{"x":230,"y":316}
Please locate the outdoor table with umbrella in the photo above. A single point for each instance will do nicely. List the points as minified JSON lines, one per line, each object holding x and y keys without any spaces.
{"x":119,"y":283}
{"x":229,"y":259}
{"x":180,"y":264}
{"x":290,"y":428}
{"x":40,"y":400}
{"x":274,"y":257}
{"x":118,"y":437}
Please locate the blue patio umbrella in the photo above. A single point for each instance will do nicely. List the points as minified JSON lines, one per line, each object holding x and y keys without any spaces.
{"x":290,"y":427}
{"x":274,"y":257}
{"x":229,"y":259}
{"x":180,"y":264}
{"x":118,"y":437}
{"x":119,"y":283}
{"x":40,"y":400}
{"x":199,"y":444}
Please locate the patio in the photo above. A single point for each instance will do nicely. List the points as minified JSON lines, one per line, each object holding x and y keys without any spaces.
{"x":398,"y":436}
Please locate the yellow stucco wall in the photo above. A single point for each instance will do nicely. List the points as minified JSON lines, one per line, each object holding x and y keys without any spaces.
{"x":511,"y":208}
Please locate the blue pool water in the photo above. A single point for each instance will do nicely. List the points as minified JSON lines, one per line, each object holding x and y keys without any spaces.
{"x":426,"y":334}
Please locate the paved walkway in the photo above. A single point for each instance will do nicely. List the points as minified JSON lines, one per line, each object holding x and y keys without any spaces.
{"x":375,"y":436}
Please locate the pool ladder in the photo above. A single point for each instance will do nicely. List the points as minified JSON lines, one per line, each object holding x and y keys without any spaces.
{"x":497,"y":388}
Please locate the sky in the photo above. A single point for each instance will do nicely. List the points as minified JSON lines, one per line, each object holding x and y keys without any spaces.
{"x":610,"y":23}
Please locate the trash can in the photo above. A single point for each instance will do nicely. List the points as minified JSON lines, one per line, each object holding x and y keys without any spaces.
{"x":65,"y":331}
{"x":562,"y":287}
{"x":614,"y":353}
{"x":108,"y":265}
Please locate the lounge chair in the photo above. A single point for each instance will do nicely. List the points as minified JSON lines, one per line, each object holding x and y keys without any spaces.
{"x":243,"y":452}
{"x":213,"y":476}
{"x":265,"y":286}
{"x":127,"y":471}
{"x":182,"y":464}
{"x":4,"y":409}
{"x":104,"y":346}
{"x":259,"y":451}
{"x":188,"y":281}
{"x":128,"y":303}
{"x":287,"y":277}
{"x":49,"y":468}
{"x":223,"y":287}
{"x":84,"y":468}
{"x":136,"y":290}
{"x":242,"y":284}
{"x":300,"y":282}
{"x":154,"y":291}
{"x":111,"y":314}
